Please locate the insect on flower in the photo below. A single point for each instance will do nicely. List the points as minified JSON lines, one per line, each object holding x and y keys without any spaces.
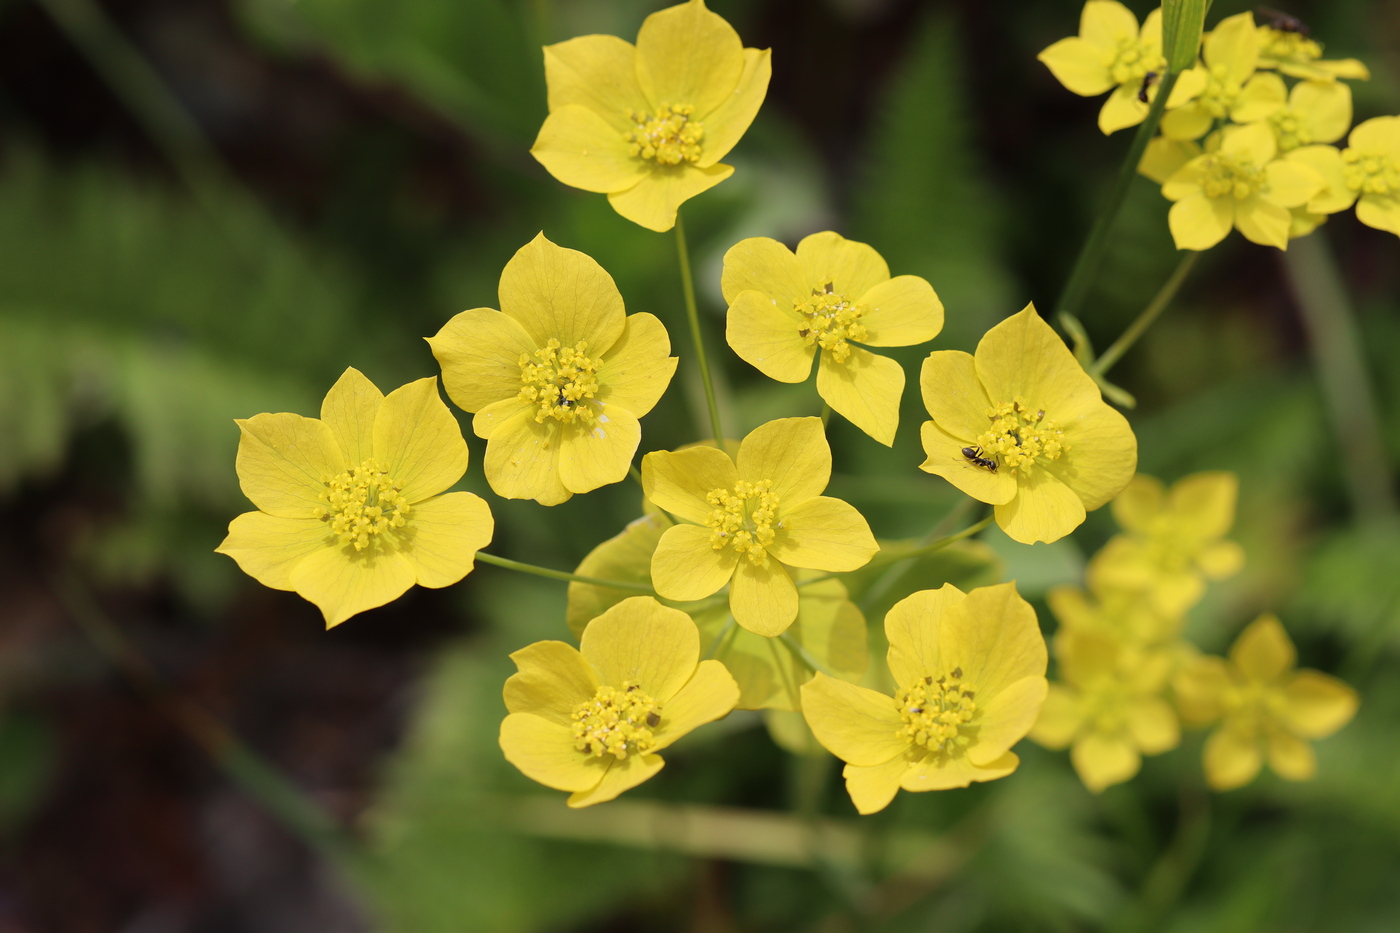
{"x":1148,"y":80}
{"x":1281,"y":21}
{"x":974,"y":456}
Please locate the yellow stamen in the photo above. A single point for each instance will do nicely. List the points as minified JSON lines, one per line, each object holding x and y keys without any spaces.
{"x":1133,"y":61}
{"x":1020,"y":434}
{"x":1233,"y":176}
{"x":669,"y":138}
{"x":616,"y":722}
{"x":938,"y":713}
{"x":744,"y":518}
{"x":1282,"y":45}
{"x":1371,"y":172}
{"x":829,"y":320}
{"x":559,"y":380}
{"x":1220,"y":92}
{"x":362,"y":504}
{"x":1290,"y":129}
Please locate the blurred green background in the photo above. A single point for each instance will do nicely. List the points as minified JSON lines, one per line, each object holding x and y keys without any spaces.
{"x":208,"y":208}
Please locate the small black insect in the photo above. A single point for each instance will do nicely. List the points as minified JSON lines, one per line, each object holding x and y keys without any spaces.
{"x":1148,"y":80}
{"x":974,"y":456}
{"x":1283,"y":22}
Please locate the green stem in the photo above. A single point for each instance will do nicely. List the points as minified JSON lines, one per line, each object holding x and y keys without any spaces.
{"x":1087,"y":265}
{"x":538,"y":571}
{"x":877,"y":561}
{"x":1149,"y":314}
{"x":826,"y":414}
{"x":1342,"y":374}
{"x":802,"y":654}
{"x":725,"y":634}
{"x":688,"y":285}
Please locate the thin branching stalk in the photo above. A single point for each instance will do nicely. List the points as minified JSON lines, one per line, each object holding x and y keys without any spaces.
{"x":688,"y":286}
{"x":1149,"y":314}
{"x":538,"y":571}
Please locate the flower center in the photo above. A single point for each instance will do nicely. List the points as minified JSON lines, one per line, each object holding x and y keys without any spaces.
{"x":616,"y":722}
{"x":1290,"y":129}
{"x":1220,"y":92}
{"x":669,"y":138}
{"x":1133,"y":60}
{"x":1232,"y":176}
{"x":1284,"y":45}
{"x":744,"y":518}
{"x":1020,"y":433}
{"x":1371,"y":172}
{"x":559,"y":380}
{"x":937,"y":713}
{"x":363,"y":503}
{"x":829,"y":320}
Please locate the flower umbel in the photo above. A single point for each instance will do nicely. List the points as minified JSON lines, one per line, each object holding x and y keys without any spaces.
{"x":590,"y":721}
{"x":350,"y":506}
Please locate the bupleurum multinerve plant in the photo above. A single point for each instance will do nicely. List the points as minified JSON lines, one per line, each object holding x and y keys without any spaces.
{"x":741,"y":584}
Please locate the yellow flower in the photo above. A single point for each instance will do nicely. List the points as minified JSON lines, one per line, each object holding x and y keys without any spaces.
{"x":747,"y":524}
{"x":647,"y":124}
{"x":557,"y":378}
{"x":970,"y":672}
{"x":350,"y":514}
{"x":1317,"y":112}
{"x":1227,"y":83}
{"x":1110,"y":708}
{"x":1124,"y":615}
{"x":1299,"y":56}
{"x":591,"y":721}
{"x":1022,"y":426}
{"x":1370,"y":168}
{"x":1266,"y":707}
{"x":784,"y":308}
{"x":1164,"y":156}
{"x":1238,"y":185}
{"x":1110,"y":52}
{"x":1175,"y":540}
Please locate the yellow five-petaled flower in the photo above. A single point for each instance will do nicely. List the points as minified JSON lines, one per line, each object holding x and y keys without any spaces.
{"x":1022,"y":426}
{"x":591,"y":720}
{"x":969,"y":672}
{"x":557,"y":378}
{"x":745,"y":524}
{"x":647,"y":124}
{"x":350,"y":514}
{"x":831,"y":296}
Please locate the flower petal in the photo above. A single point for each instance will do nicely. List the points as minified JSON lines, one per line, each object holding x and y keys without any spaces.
{"x":1263,"y":652}
{"x":901,"y":312}
{"x":486,"y":421}
{"x":544,"y":752}
{"x":1060,"y":718}
{"x":479,"y":352}
{"x":1255,"y":143}
{"x":1291,"y":183}
{"x":994,"y":637}
{"x":1101,"y":458}
{"x":1382,"y":213}
{"x":1006,"y":719}
{"x":1153,"y":725}
{"x":766,"y":266}
{"x":1262,"y":95}
{"x":764,"y":333}
{"x":1291,"y":758}
{"x":1121,"y":110}
{"x":865,"y":390}
{"x":552,"y":679}
{"x":598,"y":454}
{"x":822,"y":533}
{"x":679,"y":480}
{"x":1139,"y":503}
{"x":1165,"y":157}
{"x":1231,"y":759}
{"x":912,"y":627}
{"x":638,"y":367}
{"x":343,"y":582}
{"x":1325,"y":106}
{"x":445,"y":532}
{"x":620,"y":776}
{"x":653,"y":201}
{"x":1316,"y":704}
{"x":284,"y":461}
{"x":1327,"y":162}
{"x":1234,"y":43}
{"x":688,"y":55}
{"x":709,"y":695}
{"x":348,"y":410}
{"x":1044,"y":509}
{"x":267,"y":547}
{"x":1102,"y":760}
{"x":418,"y":441}
{"x":685,"y":566}
{"x":953,"y":395}
{"x":763,"y":599}
{"x":522,"y":460}
{"x":727,"y":123}
{"x":583,"y":150}
{"x":1221,"y":560}
{"x":1107,"y":23}
{"x":856,"y":724}
{"x":641,"y":641}
{"x":562,"y":294}
{"x":1378,"y":134}
{"x":935,"y":772}
{"x":597,"y":72}
{"x":793,"y":453}
{"x":852,"y":268}
{"x":872,"y":788}
{"x":946,"y":459}
{"x":1198,"y":222}
{"x":1079,"y":66}
{"x":1188,"y":122}
{"x":1023,"y":356}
